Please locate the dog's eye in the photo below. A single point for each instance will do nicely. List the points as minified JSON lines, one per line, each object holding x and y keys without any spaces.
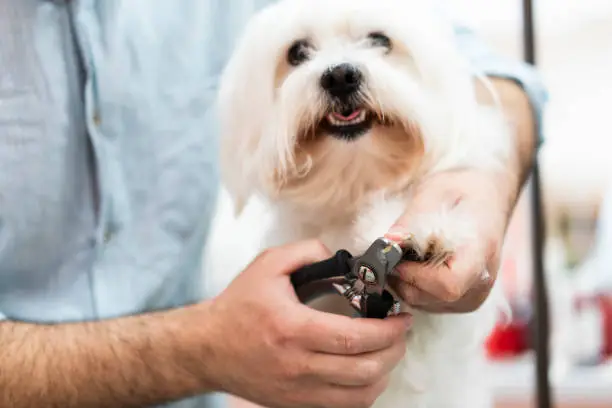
{"x":298,"y":52}
{"x":379,"y":39}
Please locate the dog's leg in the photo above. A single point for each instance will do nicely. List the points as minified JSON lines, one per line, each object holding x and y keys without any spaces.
{"x":444,"y":366}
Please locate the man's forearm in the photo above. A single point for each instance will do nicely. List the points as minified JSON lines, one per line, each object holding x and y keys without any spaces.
{"x":519,"y":113}
{"x":129,"y":362}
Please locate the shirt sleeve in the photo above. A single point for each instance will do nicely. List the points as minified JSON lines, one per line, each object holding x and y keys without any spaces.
{"x":485,"y":61}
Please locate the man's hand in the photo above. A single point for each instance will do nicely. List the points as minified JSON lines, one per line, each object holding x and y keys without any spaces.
{"x":463,"y":283}
{"x":254,"y":340}
{"x":270,"y":349}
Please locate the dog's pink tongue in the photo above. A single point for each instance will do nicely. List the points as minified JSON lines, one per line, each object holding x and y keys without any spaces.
{"x":347,"y":118}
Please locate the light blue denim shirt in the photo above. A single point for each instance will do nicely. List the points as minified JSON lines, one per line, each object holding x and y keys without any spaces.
{"x":107,"y":151}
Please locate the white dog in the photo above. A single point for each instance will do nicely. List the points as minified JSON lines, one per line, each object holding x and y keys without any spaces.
{"x":330,"y":111}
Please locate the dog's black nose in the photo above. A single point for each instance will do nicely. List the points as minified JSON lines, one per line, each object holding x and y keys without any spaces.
{"x":341,"y":80}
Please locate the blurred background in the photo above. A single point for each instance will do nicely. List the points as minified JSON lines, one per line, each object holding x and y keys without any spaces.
{"x":574,"y":55}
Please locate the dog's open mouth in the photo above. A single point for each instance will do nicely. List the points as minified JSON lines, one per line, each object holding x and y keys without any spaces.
{"x":349,"y":123}
{"x":348,"y":118}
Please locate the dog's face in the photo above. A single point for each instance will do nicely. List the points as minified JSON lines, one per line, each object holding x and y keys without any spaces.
{"x":325,"y":101}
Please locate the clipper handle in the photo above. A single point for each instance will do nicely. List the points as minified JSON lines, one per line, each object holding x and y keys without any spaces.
{"x":379,"y":306}
{"x":335,"y":266}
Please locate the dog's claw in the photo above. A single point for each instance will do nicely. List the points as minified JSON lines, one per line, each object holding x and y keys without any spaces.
{"x":435,"y":254}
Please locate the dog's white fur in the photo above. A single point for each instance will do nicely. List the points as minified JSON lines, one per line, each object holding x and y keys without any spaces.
{"x":348,"y":193}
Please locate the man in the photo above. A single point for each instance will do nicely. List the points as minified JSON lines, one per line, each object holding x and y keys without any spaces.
{"x":107,"y":185}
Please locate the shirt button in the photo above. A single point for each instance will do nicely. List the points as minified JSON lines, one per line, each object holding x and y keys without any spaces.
{"x":107,"y":236}
{"x":96,"y":119}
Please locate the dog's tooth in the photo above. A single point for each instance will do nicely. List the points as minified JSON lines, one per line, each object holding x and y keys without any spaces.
{"x":332,"y":119}
{"x":335,"y":121}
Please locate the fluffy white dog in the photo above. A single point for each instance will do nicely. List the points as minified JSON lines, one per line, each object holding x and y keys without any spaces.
{"x":330,"y":111}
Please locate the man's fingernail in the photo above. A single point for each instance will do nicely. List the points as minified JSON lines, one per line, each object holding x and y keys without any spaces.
{"x":400,"y":236}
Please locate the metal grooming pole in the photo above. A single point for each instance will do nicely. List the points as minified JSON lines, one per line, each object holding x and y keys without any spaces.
{"x":541,"y":325}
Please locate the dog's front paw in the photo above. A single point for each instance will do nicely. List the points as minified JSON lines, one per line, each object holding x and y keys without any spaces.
{"x":428,"y":249}
{"x":434,"y":238}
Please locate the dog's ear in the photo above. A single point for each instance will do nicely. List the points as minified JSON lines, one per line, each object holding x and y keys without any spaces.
{"x":244,"y":103}
{"x":238,"y":146}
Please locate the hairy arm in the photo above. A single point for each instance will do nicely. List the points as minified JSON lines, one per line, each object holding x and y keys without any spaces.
{"x":127,"y":362}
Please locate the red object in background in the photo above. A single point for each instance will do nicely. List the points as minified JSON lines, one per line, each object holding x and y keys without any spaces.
{"x":605,"y":302}
{"x":511,"y":339}
{"x":508,"y":340}
{"x":514,"y":339}
{"x":602,"y":302}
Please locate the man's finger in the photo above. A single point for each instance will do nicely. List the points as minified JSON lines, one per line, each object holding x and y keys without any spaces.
{"x":412,"y":295}
{"x":346,"y":396}
{"x":360,"y":370}
{"x":284,"y":260}
{"x":447,"y":283}
{"x":336,"y":334}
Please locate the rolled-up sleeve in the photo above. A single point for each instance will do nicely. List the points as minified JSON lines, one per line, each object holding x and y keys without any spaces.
{"x":487,"y":62}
